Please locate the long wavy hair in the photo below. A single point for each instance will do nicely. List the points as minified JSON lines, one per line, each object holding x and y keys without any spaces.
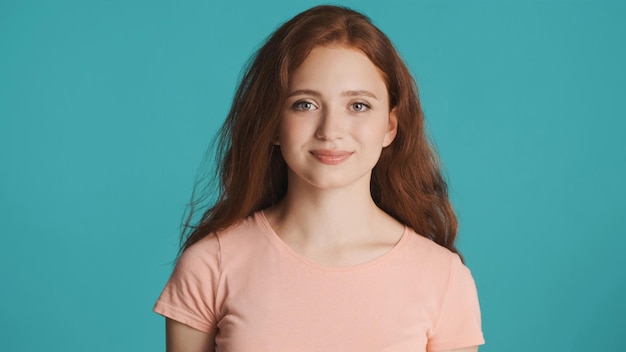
{"x":406,"y":182}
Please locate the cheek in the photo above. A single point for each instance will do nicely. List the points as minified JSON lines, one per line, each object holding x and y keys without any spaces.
{"x":373,"y":133}
{"x":293,"y":129}
{"x":286,"y":131}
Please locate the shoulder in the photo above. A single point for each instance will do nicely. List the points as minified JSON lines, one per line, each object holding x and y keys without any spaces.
{"x":207,"y":252}
{"x":446,"y":285}
{"x":432,"y":262}
{"x":235,"y":246}
{"x":431,"y":252}
{"x":242,"y":234}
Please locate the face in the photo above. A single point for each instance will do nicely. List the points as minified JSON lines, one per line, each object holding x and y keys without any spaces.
{"x":336,"y":119}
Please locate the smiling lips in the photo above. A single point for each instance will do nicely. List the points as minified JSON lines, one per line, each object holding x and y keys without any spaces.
{"x":330,"y":157}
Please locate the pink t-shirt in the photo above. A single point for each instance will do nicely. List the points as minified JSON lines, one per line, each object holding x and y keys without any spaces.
{"x":260,"y":295}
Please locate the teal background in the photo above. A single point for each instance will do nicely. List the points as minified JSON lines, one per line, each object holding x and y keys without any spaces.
{"x":106,"y":110}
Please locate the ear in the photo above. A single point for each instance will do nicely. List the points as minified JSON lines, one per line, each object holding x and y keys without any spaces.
{"x":392,"y":128}
{"x":275,"y":141}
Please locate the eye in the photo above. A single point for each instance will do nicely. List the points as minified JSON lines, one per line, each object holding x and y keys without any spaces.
{"x":303,"y":105}
{"x":359,"y":107}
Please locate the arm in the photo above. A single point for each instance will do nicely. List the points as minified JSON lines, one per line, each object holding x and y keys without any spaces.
{"x":458,"y":323}
{"x":467,"y":349}
{"x":183,"y":338}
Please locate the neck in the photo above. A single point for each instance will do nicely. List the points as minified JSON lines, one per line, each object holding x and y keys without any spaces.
{"x":329,"y":217}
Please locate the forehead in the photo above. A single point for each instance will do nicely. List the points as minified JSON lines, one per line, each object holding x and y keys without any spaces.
{"x":337,"y":68}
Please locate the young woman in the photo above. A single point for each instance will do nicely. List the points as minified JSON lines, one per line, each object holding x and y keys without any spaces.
{"x":333,"y":230}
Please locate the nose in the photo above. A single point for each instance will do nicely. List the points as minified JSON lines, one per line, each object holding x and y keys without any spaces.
{"x":331,"y":125}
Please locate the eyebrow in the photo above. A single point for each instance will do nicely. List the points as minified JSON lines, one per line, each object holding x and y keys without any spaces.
{"x":348,"y":93}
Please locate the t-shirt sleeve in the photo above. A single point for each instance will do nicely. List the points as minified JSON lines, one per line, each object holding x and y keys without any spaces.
{"x":189,"y":296}
{"x":458,"y":324}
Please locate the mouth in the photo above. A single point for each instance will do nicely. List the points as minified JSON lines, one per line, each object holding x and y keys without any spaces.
{"x":330,"y":157}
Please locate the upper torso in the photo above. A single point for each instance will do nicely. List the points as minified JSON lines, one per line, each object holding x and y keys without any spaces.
{"x":261,"y":295}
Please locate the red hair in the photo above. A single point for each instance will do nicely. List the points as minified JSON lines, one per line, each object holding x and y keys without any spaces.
{"x":406,"y":182}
